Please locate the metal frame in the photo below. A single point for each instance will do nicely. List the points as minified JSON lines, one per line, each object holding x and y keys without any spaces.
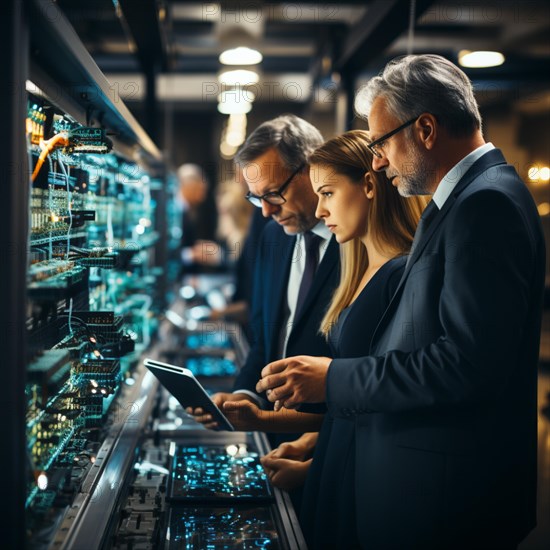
{"x":13,"y":248}
{"x":42,"y":54}
{"x":63,"y":71}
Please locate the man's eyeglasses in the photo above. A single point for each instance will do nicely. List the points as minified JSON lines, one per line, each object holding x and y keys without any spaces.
{"x":375,"y":147}
{"x":274,"y":198}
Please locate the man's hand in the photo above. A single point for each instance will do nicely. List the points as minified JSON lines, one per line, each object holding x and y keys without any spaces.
{"x":284,"y":473}
{"x":219,"y":399}
{"x":295,"y":380}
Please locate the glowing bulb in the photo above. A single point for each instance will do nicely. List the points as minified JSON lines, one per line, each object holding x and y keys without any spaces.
{"x":235,"y":108}
{"x":187,"y":292}
{"x":232,"y":450}
{"x":539,"y":174}
{"x":243,"y":449}
{"x":480,"y":59}
{"x":239,"y":77}
{"x":42,"y":481}
{"x":533,"y":173}
{"x":241,"y":56}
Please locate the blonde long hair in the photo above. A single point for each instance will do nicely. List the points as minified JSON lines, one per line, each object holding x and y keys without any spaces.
{"x":392,"y":219}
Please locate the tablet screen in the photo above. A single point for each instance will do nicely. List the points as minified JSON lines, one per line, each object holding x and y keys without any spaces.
{"x":181,"y":383}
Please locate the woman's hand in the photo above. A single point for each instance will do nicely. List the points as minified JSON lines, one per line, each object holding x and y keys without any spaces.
{"x":245,"y":415}
{"x":300,"y":449}
{"x":288,"y":464}
{"x":285,"y":473}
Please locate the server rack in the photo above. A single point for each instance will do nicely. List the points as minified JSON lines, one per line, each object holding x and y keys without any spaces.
{"x":44,"y":57}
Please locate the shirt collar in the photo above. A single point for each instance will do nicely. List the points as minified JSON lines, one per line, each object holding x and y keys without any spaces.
{"x":321,"y":230}
{"x":453,"y":176}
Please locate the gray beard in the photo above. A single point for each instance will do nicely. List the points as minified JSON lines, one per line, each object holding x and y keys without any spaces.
{"x":416,"y":178}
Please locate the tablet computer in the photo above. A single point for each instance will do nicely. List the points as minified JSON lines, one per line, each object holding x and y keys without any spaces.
{"x":181,"y":383}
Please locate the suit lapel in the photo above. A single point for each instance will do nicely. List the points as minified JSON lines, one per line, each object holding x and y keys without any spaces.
{"x":491,"y":158}
{"x":328,"y":263}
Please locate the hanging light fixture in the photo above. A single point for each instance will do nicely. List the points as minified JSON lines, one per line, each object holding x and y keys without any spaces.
{"x":480,"y":59}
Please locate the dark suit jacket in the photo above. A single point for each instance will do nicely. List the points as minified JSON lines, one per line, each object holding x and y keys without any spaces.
{"x":272,"y":270}
{"x":445,"y":407}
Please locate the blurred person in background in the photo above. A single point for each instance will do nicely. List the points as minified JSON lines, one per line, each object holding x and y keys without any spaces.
{"x":235,"y":216}
{"x":193,"y":188}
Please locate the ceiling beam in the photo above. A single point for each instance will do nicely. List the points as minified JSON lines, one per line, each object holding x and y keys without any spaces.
{"x":383,"y":22}
{"x":146,"y":24}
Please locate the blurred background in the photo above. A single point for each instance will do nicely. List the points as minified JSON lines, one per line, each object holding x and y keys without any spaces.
{"x":163,"y":59}
{"x":198,"y":77}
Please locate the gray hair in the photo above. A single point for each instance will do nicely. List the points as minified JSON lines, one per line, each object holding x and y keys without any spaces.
{"x":292,"y":137}
{"x":416,"y":84}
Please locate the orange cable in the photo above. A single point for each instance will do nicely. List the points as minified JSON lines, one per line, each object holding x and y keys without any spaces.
{"x":47,"y":148}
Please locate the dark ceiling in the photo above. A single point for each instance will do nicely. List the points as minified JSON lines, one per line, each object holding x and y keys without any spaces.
{"x":314,"y":42}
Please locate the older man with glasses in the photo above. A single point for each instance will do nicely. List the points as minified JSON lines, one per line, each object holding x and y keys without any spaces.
{"x":297,"y":261}
{"x":445,"y":405}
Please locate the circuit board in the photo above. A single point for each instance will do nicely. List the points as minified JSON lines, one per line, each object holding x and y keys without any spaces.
{"x":214,"y":472}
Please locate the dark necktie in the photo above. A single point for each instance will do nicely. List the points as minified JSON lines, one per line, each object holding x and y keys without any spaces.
{"x":427,"y":216}
{"x":312,"y":259}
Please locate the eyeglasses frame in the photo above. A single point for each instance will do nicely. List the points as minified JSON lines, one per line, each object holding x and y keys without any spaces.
{"x":250,"y":197}
{"x":374,"y":144}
